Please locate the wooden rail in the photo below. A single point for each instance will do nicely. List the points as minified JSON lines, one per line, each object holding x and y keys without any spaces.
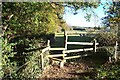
{"x":81,"y":43}
{"x":78,"y":32}
{"x":57,"y":55}
{"x":77,"y":50}
{"x":71,"y":57}
{"x":81,"y":32}
{"x":56,"y":59}
{"x":55,"y":49}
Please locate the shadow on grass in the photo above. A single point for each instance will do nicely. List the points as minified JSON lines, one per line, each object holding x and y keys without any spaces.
{"x":94,"y":59}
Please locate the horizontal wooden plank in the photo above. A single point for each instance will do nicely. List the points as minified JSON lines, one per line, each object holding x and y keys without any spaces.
{"x":72,"y":57}
{"x":45,"y":49}
{"x":56,"y":59}
{"x":77,"y":50}
{"x":57,"y":49}
{"x":81,"y":43}
{"x":81,"y":32}
{"x":87,"y":49}
{"x":76,"y":56}
{"x":57,"y":55}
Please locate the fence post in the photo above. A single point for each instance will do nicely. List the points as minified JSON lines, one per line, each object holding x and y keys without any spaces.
{"x":62,"y":64}
{"x":95,"y":45}
{"x":115,"y":55}
{"x":65,"y":39}
{"x":42,"y":60}
{"x":48,"y":43}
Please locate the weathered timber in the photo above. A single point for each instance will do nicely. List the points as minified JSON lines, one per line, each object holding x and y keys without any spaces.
{"x":81,"y":43}
{"x":77,"y":50}
{"x":45,"y":49}
{"x":56,"y":49}
{"x":57,"y":55}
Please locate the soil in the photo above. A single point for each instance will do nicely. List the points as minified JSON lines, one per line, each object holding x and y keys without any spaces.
{"x":71,"y":71}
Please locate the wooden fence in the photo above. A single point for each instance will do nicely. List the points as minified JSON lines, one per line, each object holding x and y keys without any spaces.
{"x":66,"y":43}
{"x":65,"y":50}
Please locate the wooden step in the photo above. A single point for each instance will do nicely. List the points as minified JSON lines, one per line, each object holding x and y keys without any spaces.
{"x":77,"y":50}
{"x":57,"y":55}
{"x":56,"y":59}
{"x":71,"y":57}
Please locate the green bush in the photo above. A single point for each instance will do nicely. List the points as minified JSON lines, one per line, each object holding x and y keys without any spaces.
{"x":109,"y":71}
{"x":21,"y":58}
{"x":106,"y":38}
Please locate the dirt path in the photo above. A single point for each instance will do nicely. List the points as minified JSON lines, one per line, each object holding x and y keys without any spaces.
{"x":69,"y":71}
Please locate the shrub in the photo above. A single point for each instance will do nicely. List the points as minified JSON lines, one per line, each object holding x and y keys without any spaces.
{"x":21,"y":58}
{"x":109,"y":71}
{"x":106,"y":38}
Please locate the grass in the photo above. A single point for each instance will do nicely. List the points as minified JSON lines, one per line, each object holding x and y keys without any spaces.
{"x":59,"y":41}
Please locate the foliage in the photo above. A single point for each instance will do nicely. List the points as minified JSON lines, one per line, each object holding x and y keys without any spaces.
{"x":112,"y":19}
{"x":108,"y":50}
{"x":21,"y":43}
{"x":83,"y":5}
{"x":23,"y":60}
{"x":8,"y":66}
{"x":112,"y":13}
{"x":106,"y":38}
{"x":30,"y":18}
{"x":107,"y":41}
{"x":109,"y":71}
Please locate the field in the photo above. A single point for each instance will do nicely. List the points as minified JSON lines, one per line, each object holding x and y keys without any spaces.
{"x":59,"y":41}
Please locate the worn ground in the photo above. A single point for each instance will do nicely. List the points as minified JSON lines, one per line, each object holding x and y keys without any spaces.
{"x":71,"y":70}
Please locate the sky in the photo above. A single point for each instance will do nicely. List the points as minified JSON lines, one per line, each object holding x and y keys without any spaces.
{"x":79,"y":20}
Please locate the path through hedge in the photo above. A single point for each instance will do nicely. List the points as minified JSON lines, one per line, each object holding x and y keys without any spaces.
{"x":69,"y":71}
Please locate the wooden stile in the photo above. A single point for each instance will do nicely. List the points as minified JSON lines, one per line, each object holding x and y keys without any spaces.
{"x":66,"y":43}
